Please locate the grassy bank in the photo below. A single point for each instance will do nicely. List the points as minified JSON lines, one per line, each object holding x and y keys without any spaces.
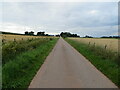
{"x":104,"y":60}
{"x":18,"y":72}
{"x":12,"y":49}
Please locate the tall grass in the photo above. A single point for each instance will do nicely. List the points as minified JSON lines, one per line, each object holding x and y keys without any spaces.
{"x":18,"y":72}
{"x":12,"y":49}
{"x":104,"y":60}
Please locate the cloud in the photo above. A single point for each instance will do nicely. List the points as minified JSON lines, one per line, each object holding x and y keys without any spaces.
{"x":12,"y":27}
{"x":93,"y":12}
{"x":96,"y":31}
{"x":82,"y":18}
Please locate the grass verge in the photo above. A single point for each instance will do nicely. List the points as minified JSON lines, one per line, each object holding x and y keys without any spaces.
{"x":105,"y":61}
{"x":18,"y":73}
{"x":13,"y":49}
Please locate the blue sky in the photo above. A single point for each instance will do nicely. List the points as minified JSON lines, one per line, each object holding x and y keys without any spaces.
{"x":84,"y":18}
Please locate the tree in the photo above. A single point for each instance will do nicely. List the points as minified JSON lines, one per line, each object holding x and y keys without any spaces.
{"x":58,"y":35}
{"x":68,"y":34}
{"x":88,"y":36}
{"x":65,"y":34}
{"x":31,"y":33}
{"x":26,"y":33}
{"x":41,"y":33}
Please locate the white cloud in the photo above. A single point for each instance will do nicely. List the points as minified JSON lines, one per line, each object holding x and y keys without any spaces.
{"x":82,"y":18}
{"x":15,"y":28}
{"x":93,"y":12}
{"x":95,"y":31}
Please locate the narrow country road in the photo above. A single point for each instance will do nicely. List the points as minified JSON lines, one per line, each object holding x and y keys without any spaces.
{"x":67,"y":68}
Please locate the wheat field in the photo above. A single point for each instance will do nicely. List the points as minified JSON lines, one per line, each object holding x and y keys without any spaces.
{"x":9,"y":37}
{"x":110,"y":44}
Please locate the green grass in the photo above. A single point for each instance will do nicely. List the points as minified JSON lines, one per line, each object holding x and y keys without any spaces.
{"x":12,"y":49}
{"x":105,"y":61}
{"x":19,"y":72}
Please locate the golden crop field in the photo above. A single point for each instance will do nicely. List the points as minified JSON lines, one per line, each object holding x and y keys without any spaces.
{"x":9,"y":37}
{"x":111,"y":44}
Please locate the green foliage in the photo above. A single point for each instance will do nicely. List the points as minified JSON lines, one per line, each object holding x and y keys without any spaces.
{"x":18,"y":72}
{"x":68,"y":34}
{"x":12,"y":49}
{"x":104,"y":60}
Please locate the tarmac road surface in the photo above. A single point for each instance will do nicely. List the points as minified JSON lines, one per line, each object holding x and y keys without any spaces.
{"x":67,"y":68}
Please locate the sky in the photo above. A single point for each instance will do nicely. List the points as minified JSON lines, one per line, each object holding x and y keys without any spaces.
{"x":83,"y":18}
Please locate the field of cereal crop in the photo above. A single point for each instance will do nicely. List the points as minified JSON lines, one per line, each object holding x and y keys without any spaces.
{"x":110,"y":44}
{"x":8,"y":37}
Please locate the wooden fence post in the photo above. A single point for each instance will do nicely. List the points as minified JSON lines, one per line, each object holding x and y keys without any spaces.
{"x":105,"y":46}
{"x":3,"y":41}
{"x":89,"y":44}
{"x":94,"y":44}
{"x":14,"y":40}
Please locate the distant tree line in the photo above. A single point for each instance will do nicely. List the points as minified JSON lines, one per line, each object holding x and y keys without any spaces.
{"x":42,"y":34}
{"x":62,"y":34}
{"x":10,"y":33}
{"x":57,"y":35}
{"x":38,"y":33}
{"x":111,"y":36}
{"x":68,"y":34}
{"x":29,"y":33}
{"x":88,"y":36}
{"x":102,"y":36}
